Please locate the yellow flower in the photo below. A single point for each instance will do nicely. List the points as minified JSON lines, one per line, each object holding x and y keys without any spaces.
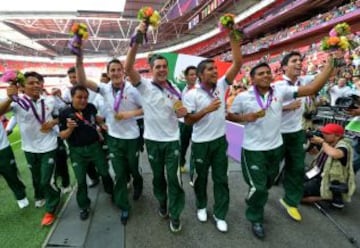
{"x":344,"y":43}
{"x":154,"y":20}
{"x":85,"y":36}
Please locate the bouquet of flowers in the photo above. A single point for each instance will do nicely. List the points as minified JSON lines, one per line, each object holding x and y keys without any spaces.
{"x":227,"y":22}
{"x":78,"y":32}
{"x":339,"y":39}
{"x":151,"y":17}
{"x":13,"y":77}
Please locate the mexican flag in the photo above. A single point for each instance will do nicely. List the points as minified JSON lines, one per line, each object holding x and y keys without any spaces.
{"x":179,"y":62}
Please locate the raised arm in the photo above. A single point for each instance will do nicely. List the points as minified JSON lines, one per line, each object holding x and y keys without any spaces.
{"x":81,"y":76}
{"x":319,"y":81}
{"x":237,"y":59}
{"x":5,"y":105}
{"x":130,"y":71}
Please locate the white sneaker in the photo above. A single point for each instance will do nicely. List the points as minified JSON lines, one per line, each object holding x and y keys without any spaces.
{"x":66,"y":190}
{"x":23,"y":203}
{"x":39,"y":203}
{"x":202,"y":215}
{"x":221,"y":225}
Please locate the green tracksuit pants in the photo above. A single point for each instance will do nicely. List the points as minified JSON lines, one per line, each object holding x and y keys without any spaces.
{"x":42,"y":167}
{"x":211,"y":154}
{"x":10,"y":173}
{"x":124,"y":155}
{"x":165,"y":156}
{"x":185,"y":137}
{"x":294,"y":170}
{"x":260,"y":169}
{"x":80,"y":157}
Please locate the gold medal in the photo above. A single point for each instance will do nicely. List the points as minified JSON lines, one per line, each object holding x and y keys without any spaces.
{"x":118,"y":116}
{"x":261,"y":113}
{"x":177,"y":105}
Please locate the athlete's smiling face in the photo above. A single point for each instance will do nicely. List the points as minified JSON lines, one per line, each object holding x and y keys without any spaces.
{"x":262,"y":77}
{"x":160,"y":70}
{"x":116,"y":74}
{"x":293,"y":67}
{"x":32,"y":87}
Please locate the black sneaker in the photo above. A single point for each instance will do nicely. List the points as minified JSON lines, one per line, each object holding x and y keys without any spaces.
{"x":137,"y":194}
{"x":163,"y":211}
{"x":258,"y":230}
{"x":337,"y":201}
{"x":84,"y":214}
{"x":124,"y":216}
{"x":175,"y":225}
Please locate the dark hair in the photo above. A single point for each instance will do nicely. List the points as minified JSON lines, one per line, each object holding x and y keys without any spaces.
{"x":285,"y":59}
{"x":253,"y":70}
{"x":187,"y":70}
{"x":153,"y":57}
{"x":78,"y":87}
{"x":202,"y":65}
{"x":40,"y":77}
{"x":34,"y":74}
{"x":71,"y":70}
{"x":113,"y":61}
{"x":104,"y":74}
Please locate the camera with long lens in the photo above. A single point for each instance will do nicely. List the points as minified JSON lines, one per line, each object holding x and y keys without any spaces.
{"x":311,"y":133}
{"x":348,"y":102}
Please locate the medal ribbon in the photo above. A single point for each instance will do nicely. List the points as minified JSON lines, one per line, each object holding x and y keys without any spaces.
{"x":119,"y":95}
{"x":297,"y":83}
{"x":21,"y":102}
{"x":209,"y":92}
{"x":170,"y":88}
{"x":259,"y":101}
{"x":30,"y":103}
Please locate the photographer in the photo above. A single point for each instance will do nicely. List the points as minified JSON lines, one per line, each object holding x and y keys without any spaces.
{"x":354,"y":127}
{"x":331,"y":176}
{"x":78,"y":127}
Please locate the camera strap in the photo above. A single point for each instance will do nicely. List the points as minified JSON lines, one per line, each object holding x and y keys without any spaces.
{"x":319,"y":165}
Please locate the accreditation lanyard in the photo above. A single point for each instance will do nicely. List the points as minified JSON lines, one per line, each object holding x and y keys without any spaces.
{"x":81,"y":117}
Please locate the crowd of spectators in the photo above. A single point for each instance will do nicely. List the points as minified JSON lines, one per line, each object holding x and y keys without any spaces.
{"x":271,"y":39}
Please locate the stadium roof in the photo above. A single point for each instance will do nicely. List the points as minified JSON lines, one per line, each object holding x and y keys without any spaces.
{"x":41,"y":28}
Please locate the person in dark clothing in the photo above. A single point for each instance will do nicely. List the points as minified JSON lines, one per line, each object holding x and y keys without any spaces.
{"x":78,"y":127}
